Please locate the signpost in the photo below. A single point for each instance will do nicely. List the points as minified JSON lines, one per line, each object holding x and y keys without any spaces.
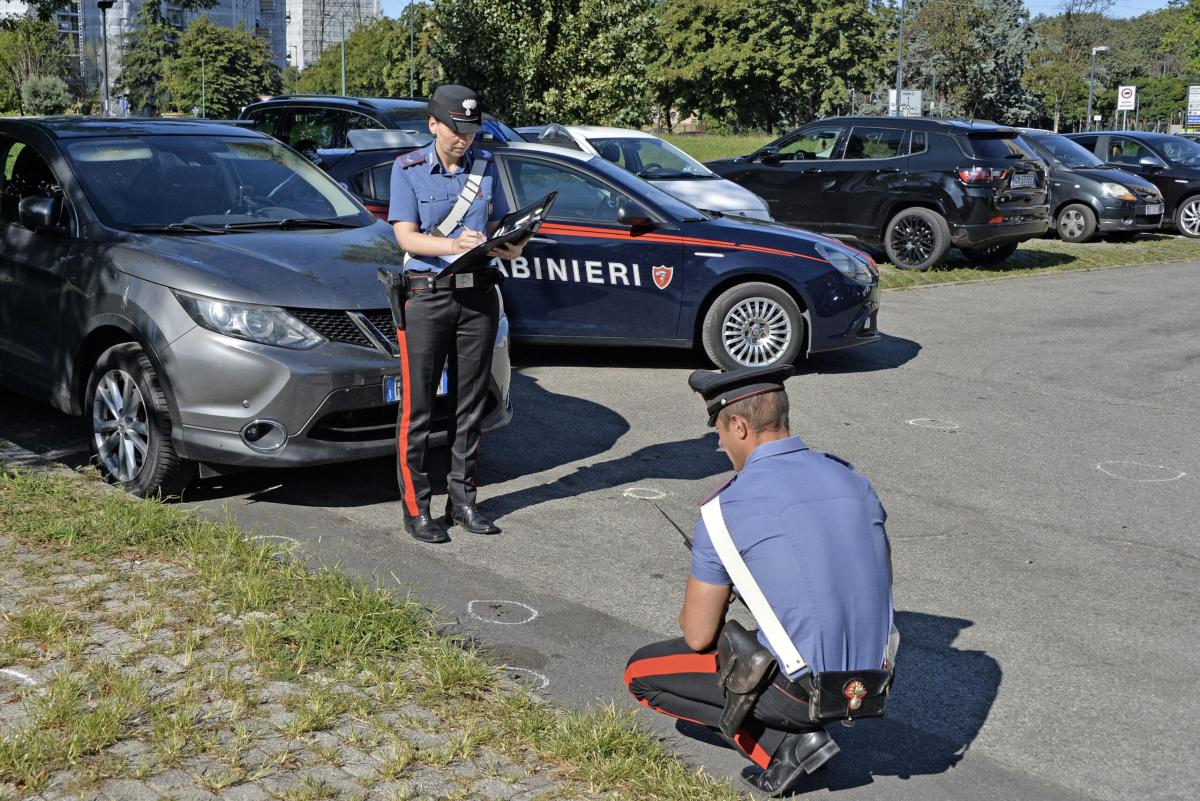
{"x":1193,"y":106}
{"x":910,"y":103}
{"x":1126,"y":102}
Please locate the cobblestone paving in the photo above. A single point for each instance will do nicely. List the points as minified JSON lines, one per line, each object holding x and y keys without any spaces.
{"x":132,"y":655}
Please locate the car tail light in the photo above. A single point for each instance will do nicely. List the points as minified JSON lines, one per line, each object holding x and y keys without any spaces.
{"x":981,"y":175}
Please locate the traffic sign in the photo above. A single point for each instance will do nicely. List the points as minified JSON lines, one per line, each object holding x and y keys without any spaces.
{"x":1126,"y":98}
{"x":1193,"y":108}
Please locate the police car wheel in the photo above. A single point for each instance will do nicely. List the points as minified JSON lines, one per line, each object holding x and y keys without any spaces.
{"x":916,"y":239}
{"x":753,"y":325}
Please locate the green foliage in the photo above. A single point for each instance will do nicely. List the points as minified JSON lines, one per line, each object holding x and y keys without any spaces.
{"x":1183,"y":38}
{"x":149,"y":47}
{"x":45,"y":94}
{"x":376,"y":60}
{"x":29,"y":47}
{"x":219,"y":70}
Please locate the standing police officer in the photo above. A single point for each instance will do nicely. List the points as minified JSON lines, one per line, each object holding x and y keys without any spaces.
{"x":443,"y":197}
{"x":811,"y":533}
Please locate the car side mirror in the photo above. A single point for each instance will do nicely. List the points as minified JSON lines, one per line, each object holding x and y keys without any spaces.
{"x":40,"y":215}
{"x":768,"y":156}
{"x":1151,"y":163}
{"x":634,"y":216}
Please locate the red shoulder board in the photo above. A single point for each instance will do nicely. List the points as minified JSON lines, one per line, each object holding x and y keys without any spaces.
{"x":411,"y":158}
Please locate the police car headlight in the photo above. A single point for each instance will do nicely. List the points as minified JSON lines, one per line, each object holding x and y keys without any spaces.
{"x":853,"y":266}
{"x":266,"y":325}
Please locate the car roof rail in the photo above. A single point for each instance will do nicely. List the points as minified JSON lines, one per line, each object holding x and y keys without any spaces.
{"x":317,"y":96}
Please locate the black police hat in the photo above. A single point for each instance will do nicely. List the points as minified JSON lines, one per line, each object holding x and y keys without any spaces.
{"x":458,"y":107}
{"x":721,"y":389}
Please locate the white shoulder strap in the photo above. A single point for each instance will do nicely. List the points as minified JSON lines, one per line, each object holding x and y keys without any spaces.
{"x":466,"y":197}
{"x":748,"y":588}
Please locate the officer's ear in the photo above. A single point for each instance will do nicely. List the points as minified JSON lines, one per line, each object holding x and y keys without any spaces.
{"x":432,"y":125}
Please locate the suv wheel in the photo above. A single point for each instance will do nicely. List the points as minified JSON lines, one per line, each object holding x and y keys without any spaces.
{"x":1187,"y":216}
{"x":753,"y":325}
{"x":1076,"y":223}
{"x":991,"y":254}
{"x":916,"y":239}
{"x":130,"y":438}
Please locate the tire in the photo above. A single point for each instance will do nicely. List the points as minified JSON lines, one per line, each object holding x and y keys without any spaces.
{"x":916,"y":239}
{"x":130,"y":427}
{"x":991,"y":254}
{"x":1075,"y":223}
{"x":753,"y":325}
{"x":1187,"y":216}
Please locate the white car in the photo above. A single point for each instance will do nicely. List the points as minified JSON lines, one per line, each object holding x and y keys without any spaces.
{"x":662,"y":164}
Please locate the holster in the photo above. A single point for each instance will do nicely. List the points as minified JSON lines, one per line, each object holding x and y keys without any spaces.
{"x":397,"y":292}
{"x":744,"y":668}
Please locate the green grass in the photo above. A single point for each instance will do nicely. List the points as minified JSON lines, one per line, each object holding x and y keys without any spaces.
{"x":706,"y":147}
{"x":1039,"y":256}
{"x":296,"y":622}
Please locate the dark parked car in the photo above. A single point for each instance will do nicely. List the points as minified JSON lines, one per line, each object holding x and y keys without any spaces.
{"x":312,"y":122}
{"x":914,"y":186}
{"x":200,"y":293}
{"x":1087,"y":196}
{"x":620,"y":262}
{"x":1172,"y":163}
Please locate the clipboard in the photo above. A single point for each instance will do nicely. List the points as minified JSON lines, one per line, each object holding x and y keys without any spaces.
{"x":520,"y":224}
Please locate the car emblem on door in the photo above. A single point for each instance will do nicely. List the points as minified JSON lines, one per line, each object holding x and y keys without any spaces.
{"x":662,"y":276}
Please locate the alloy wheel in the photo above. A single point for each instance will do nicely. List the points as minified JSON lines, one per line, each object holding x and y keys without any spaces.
{"x":756,"y":332}
{"x":913,"y":239}
{"x":120,"y":426}
{"x":1189,"y":217}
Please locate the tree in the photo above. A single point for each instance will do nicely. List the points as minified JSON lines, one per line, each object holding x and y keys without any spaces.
{"x":1060,"y":65}
{"x":219,"y":70}
{"x":29,"y":47}
{"x":45,"y":94}
{"x":376,"y":60}
{"x":1184,"y":36}
{"x":149,"y":47}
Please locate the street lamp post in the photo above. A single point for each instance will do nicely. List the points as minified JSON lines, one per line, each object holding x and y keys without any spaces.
{"x":202,"y":87}
{"x":899,"y":60}
{"x":104,"y":6}
{"x":412,"y":23}
{"x":342,"y":23}
{"x":1092,"y":82}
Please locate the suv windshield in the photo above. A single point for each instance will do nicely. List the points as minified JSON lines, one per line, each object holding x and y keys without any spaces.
{"x":197,"y":181}
{"x":1182,"y":151}
{"x":1066,"y":153}
{"x":997,"y":147}
{"x":649,"y":158}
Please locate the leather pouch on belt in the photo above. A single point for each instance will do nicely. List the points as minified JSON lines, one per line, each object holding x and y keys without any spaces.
{"x":397,"y":291}
{"x":744,"y":669}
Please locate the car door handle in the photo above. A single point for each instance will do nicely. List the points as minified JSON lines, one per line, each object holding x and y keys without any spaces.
{"x":888,"y":169}
{"x":811,"y":171}
{"x":542,"y":240}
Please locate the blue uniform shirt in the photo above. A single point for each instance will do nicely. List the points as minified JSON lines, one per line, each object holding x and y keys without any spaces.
{"x":811,"y":531}
{"x":423,"y":193}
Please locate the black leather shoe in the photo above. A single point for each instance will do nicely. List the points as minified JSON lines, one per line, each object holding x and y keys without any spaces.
{"x":471,"y":519}
{"x":798,"y":754}
{"x":426,"y":528}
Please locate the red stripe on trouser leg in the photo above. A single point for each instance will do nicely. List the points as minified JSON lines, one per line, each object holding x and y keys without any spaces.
{"x":646,"y":704}
{"x":751,"y":748}
{"x":409,"y":493}
{"x":667,"y":665}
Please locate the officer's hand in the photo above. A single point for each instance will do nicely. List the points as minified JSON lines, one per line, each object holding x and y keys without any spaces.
{"x":509,"y":251}
{"x":465,"y":241}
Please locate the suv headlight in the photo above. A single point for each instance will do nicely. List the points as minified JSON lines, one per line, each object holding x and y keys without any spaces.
{"x":266,"y":325}
{"x":852,"y":265}
{"x":1117,"y":191}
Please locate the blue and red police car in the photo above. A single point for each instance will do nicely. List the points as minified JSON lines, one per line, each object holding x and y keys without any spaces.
{"x":621,"y":262}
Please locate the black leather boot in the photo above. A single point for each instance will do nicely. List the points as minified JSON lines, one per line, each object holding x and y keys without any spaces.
{"x":470,"y":518}
{"x":798,"y":754}
{"x":426,"y":528}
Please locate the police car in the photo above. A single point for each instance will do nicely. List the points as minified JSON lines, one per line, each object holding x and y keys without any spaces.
{"x":621,"y":262}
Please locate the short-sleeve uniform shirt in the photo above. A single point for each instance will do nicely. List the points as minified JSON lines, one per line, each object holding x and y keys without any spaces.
{"x":423,"y":192}
{"x":811,"y":531}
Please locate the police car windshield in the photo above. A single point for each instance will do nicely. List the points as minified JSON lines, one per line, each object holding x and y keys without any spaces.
{"x":650,"y":158}
{"x":160,"y":180}
{"x":1064,"y":152}
{"x":646,"y":192}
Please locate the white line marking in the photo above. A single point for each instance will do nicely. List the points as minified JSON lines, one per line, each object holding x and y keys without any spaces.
{"x":929,"y":422}
{"x":19,"y":675}
{"x":644,"y":493}
{"x":533,"y":613}
{"x":1103,"y":468}
{"x":540,"y":681}
{"x":257,"y":537}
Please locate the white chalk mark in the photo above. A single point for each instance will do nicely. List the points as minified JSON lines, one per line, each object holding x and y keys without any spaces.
{"x":540,"y":682}
{"x":258,"y":537}
{"x":530,"y":614}
{"x":1140,"y":472}
{"x":16,"y":674}
{"x":645,"y":493}
{"x":929,"y":422}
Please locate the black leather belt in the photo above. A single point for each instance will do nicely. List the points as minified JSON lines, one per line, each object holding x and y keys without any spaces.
{"x":425,"y":282}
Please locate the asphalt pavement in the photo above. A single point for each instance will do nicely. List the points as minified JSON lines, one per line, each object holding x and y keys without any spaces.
{"x":1034,"y":441}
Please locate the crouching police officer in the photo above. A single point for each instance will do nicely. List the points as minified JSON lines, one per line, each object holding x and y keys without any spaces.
{"x":443,"y":197}
{"x":801,"y":537}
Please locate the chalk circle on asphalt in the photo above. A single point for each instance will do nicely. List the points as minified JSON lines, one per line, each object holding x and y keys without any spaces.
{"x":527,"y":676}
{"x":1139,"y":471}
{"x":269,"y":537}
{"x":645,"y":493}
{"x":16,"y":674}
{"x":504,"y":613}
{"x":936,"y":425}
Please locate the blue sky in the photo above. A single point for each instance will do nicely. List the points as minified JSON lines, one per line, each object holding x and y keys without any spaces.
{"x":1123,"y":8}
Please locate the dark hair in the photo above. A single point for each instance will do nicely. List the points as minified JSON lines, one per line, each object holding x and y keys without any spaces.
{"x":767,"y":411}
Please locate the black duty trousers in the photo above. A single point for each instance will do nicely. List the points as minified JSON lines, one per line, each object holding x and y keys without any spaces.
{"x":670,"y":677}
{"x":455,"y":328}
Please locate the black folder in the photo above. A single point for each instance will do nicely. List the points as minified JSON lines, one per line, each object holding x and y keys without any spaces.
{"x":520,"y":224}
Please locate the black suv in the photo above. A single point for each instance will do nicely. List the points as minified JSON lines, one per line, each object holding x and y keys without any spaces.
{"x":912,"y":185}
{"x":1172,"y":163}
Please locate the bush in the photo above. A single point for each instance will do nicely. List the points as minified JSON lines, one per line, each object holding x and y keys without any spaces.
{"x":45,"y":94}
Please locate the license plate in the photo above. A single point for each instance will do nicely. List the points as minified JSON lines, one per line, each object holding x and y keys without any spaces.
{"x":1021,"y":180}
{"x":391,"y":387}
{"x":1152,"y":208}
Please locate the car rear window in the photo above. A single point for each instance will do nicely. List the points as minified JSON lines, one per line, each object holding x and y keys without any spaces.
{"x":997,"y":147}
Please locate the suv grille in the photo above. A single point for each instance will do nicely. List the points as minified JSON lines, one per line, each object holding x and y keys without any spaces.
{"x":338,"y":326}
